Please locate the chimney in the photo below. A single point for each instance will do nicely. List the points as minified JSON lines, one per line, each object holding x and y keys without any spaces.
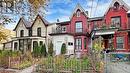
{"x":58,"y":20}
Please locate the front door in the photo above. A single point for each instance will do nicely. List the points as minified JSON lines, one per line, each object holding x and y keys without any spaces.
{"x":58,"y":47}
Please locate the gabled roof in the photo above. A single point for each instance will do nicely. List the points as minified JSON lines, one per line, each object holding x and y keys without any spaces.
{"x":121,"y":2}
{"x":43,"y":20}
{"x":78,"y":6}
{"x":26,"y":23}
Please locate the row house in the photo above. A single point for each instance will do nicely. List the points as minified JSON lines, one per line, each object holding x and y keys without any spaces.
{"x":79,"y":32}
{"x":113,"y":27}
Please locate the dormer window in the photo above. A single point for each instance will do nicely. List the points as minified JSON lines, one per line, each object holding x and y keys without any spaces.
{"x":78,"y":13}
{"x":116,"y":5}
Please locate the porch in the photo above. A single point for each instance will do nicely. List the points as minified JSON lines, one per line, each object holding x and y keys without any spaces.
{"x":106,"y":37}
{"x":27,"y":43}
{"x":112,"y":39}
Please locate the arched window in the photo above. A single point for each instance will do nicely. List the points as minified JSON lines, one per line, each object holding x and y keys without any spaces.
{"x":21,"y":33}
{"x":78,"y":13}
{"x":39,"y":31}
{"x":116,"y":5}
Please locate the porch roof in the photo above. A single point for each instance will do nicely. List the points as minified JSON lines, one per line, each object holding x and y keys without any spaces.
{"x":104,"y":33}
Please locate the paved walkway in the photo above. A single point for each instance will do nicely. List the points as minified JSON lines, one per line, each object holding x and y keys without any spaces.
{"x":120,"y":67}
{"x":27,"y":70}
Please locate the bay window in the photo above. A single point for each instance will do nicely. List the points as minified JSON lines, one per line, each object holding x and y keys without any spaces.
{"x":78,"y":44}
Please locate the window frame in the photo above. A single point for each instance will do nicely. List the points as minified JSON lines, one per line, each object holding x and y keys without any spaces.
{"x":30,"y":32}
{"x":77,"y":29}
{"x":39,"y":32}
{"x":116,"y":24}
{"x":63,"y":29}
{"x":78,"y":13}
{"x":85,"y":43}
{"x":122,"y":43}
{"x":21,"y":33}
{"x":77,"y":46}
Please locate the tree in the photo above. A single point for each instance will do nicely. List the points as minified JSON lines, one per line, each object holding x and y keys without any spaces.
{"x":5,"y":34}
{"x":63,"y":48}
{"x":43,"y":50}
{"x":50,"y":49}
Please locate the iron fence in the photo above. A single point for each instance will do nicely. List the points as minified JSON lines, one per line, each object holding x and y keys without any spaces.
{"x":62,"y":65}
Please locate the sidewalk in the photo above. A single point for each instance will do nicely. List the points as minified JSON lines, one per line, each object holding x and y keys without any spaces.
{"x":27,"y":70}
{"x":120,"y":67}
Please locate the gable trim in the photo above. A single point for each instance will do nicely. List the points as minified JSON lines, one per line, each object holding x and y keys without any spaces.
{"x":76,"y":8}
{"x":121,"y":2}
{"x":40,"y":18}
{"x":21,"y":19}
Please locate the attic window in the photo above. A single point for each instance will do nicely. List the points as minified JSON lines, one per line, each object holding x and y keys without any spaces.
{"x":116,"y":5}
{"x":78,"y":13}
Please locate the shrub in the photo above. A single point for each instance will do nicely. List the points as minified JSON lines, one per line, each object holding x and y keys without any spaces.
{"x":43,"y":50}
{"x":63,"y":48}
{"x":37,"y":51}
{"x":50,"y":49}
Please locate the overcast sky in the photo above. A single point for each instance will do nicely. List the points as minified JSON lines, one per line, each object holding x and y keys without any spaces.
{"x":62,"y":9}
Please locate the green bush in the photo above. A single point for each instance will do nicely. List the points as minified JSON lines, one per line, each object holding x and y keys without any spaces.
{"x":50,"y":49}
{"x":37,"y":51}
{"x":63,"y":48}
{"x":43,"y":50}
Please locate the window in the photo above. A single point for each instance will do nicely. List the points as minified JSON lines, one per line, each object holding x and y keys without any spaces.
{"x":21,"y":45}
{"x":70,"y":43}
{"x":120,"y":41}
{"x":95,"y":25}
{"x":78,"y":13}
{"x":15,"y":45}
{"x":63,"y":28}
{"x":29,"y":44}
{"x":41,"y":43}
{"x":116,"y":5}
{"x":39,"y":31}
{"x":85,"y":43}
{"x":30,"y":32}
{"x":78,"y":27}
{"x":21,"y":33}
{"x":116,"y":21}
{"x":78,"y":44}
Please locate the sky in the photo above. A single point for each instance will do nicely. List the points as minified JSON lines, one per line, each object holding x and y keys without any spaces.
{"x":62,"y":9}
